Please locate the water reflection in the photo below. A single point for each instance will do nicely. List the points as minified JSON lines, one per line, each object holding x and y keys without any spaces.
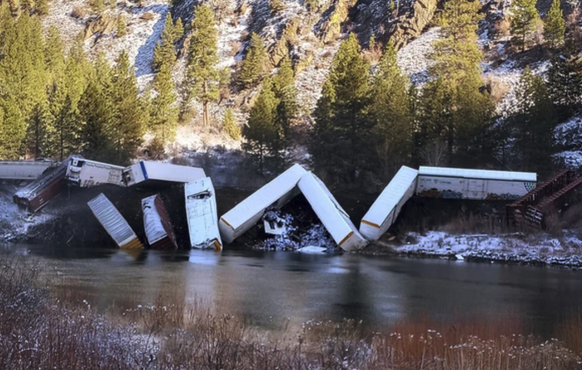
{"x":269,"y":287}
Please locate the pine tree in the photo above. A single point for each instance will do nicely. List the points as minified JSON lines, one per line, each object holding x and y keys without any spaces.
{"x":203,"y":58}
{"x":54,"y":55}
{"x":230,"y":126}
{"x":523,"y":23}
{"x":390,"y":111}
{"x":40,"y":135}
{"x":41,"y":7}
{"x":77,"y":71}
{"x":457,"y":53}
{"x":342,"y":131}
{"x":12,"y":129}
{"x":554,"y":26}
{"x":565,"y":83}
{"x":121,"y":26}
{"x":178,"y":30}
{"x":534,"y":124}
{"x":165,"y":52}
{"x":96,"y":116}
{"x":254,"y":67}
{"x":164,"y":115}
{"x":127,"y":123}
{"x":67,"y":130}
{"x":286,"y":94}
{"x":260,"y":131}
{"x":456,"y":94}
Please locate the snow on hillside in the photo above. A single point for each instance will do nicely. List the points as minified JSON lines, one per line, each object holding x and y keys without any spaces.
{"x":414,"y":57}
{"x":568,"y":137}
{"x":310,"y":80}
{"x":140,"y":41}
{"x":60,"y":17}
{"x":508,"y":248}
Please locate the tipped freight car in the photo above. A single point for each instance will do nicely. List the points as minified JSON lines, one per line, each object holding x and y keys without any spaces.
{"x":202,"y":215}
{"x":332,"y":215}
{"x":157,"y":172}
{"x":114,"y":223}
{"x":87,"y":173}
{"x":24,"y":170}
{"x":247,"y":213}
{"x":157,"y":225}
{"x":38,"y":193}
{"x":387,"y":207}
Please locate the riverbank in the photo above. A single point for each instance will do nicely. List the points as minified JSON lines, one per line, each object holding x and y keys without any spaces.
{"x":538,"y":249}
{"x":40,"y":330}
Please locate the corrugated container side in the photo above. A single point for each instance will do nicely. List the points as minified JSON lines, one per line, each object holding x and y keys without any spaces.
{"x":244,"y":215}
{"x":114,"y":223}
{"x":202,"y":215}
{"x":157,"y":225}
{"x":386,"y":208}
{"x":38,"y":193}
{"x":333,"y":217}
{"x":172,"y":172}
{"x":477,"y":174}
{"x":23,"y":170}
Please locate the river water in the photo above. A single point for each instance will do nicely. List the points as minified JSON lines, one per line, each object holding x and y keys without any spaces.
{"x":268,"y":288}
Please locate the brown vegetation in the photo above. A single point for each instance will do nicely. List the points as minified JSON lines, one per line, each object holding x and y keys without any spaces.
{"x":38,"y":331}
{"x":79,"y":12}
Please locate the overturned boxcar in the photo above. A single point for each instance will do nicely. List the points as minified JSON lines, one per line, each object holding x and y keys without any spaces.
{"x":334,"y":218}
{"x":114,"y":223}
{"x":156,"y":221}
{"x":247,"y":213}
{"x":24,"y":170}
{"x":387,"y":207}
{"x":147,"y":172}
{"x":38,"y":193}
{"x":202,"y":215}
{"x":458,"y":183}
{"x":87,"y":173}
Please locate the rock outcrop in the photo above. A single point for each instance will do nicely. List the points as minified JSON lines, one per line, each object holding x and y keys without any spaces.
{"x":413,"y":23}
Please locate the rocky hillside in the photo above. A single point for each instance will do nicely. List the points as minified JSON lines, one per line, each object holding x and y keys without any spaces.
{"x":309,"y":30}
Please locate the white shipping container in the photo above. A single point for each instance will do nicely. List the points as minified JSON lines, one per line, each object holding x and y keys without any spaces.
{"x":23,"y":170}
{"x":332,"y":215}
{"x":387,"y":207}
{"x":87,"y":173}
{"x":157,"y":225}
{"x":247,"y":213}
{"x":202,"y":215}
{"x":114,"y":223}
{"x":457,"y":183}
{"x":158,"y":171}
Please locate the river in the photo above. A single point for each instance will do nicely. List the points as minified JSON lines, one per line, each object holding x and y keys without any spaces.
{"x":270,"y":288}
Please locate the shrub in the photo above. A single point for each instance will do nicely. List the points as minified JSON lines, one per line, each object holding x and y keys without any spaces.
{"x":79,"y":12}
{"x":121,"y":26}
{"x":148,"y":16}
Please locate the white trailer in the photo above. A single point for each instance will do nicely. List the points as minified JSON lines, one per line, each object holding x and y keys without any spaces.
{"x":387,"y":207}
{"x":332,"y":215}
{"x":202,"y":215}
{"x":457,"y":183}
{"x":247,"y":213}
{"x":87,"y":173}
{"x":157,"y":225}
{"x":114,"y":223}
{"x":157,"y":171}
{"x":24,"y":170}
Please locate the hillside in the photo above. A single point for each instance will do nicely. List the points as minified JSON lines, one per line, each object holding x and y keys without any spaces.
{"x":310,"y":32}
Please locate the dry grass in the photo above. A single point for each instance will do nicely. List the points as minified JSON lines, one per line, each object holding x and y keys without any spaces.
{"x":38,"y":331}
{"x":79,"y":12}
{"x":148,"y":16}
{"x":497,"y":87}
